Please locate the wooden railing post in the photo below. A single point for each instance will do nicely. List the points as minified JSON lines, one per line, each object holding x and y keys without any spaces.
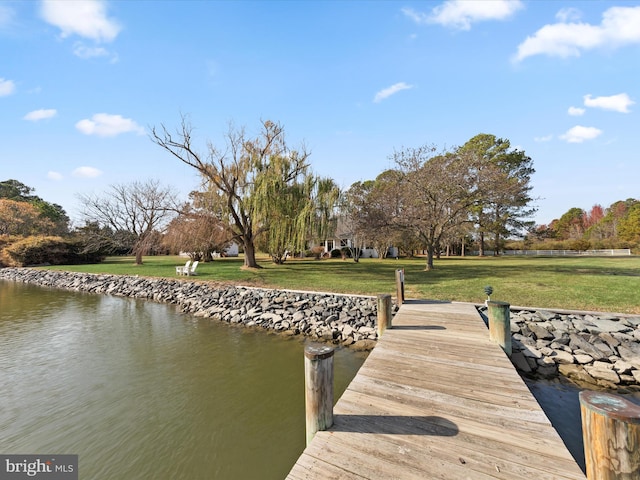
{"x":384,"y":313}
{"x":318,"y":381}
{"x":400,"y":285}
{"x":611,"y":434}
{"x":500,"y":324}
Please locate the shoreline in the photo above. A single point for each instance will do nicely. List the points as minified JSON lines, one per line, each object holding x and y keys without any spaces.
{"x":590,"y":349}
{"x":346,"y":320}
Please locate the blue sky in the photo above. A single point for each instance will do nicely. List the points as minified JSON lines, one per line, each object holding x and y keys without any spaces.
{"x":82,"y":83}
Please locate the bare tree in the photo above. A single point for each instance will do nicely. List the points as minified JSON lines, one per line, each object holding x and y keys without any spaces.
{"x":437,"y":192}
{"x":239,"y":176}
{"x":138,"y":208}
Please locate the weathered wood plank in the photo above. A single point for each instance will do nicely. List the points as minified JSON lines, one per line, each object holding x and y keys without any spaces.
{"x":437,"y":399}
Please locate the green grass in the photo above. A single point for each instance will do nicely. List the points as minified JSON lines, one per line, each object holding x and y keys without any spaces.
{"x":603,"y":284}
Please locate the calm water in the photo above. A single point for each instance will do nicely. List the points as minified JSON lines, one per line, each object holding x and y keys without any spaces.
{"x":140,"y":391}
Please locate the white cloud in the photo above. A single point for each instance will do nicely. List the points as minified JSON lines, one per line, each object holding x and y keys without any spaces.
{"x":86,"y":18}
{"x":105,"y":125}
{"x":82,"y":51}
{"x":461,"y":14}
{"x":393,"y":89}
{"x":620,"y":26}
{"x":569,"y":14}
{"x":617,"y":103}
{"x":546,"y":138}
{"x":86,"y":172}
{"x":7,"y":87}
{"x":579,"y":134}
{"x":41,"y":114}
{"x":576,"y":111}
{"x":54,"y":176}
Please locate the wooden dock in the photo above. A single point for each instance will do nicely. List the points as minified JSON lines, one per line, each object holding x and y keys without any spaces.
{"x":437,"y":399}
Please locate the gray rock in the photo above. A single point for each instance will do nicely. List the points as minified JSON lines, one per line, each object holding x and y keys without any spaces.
{"x":546,"y":315}
{"x":611,"y":326}
{"x":603,"y":374}
{"x":540,"y":331}
{"x":582,"y":358}
{"x":562,"y":325}
{"x":577,"y":342}
{"x":531,"y":352}
{"x":560,"y":356}
{"x":547,"y":371}
{"x":622,"y":367}
{"x":520,"y":362}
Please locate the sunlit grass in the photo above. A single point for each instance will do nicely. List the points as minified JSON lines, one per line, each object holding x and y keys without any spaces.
{"x":608,"y":284}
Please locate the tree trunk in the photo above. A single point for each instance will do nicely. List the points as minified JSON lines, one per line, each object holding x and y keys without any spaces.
{"x":250,"y":254}
{"x":429,"y":258}
{"x":481,"y":245}
{"x":462,"y":248}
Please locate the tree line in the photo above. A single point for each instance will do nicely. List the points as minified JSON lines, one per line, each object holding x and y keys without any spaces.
{"x":617,"y":226}
{"x":260,"y":192}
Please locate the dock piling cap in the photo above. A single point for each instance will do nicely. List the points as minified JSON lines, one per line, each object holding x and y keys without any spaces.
{"x":610,"y":405}
{"x":497,"y":303}
{"x":316,"y":351}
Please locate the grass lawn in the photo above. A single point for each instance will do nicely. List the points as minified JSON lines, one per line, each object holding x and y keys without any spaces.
{"x":606,"y":284}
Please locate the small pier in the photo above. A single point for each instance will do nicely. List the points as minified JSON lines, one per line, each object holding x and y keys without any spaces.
{"x":436,"y":399}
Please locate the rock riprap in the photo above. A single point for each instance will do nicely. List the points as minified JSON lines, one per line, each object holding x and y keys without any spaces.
{"x":340,"y":319}
{"x":596,"y":349}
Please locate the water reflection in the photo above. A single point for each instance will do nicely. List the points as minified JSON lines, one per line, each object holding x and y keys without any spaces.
{"x":559,"y":400}
{"x":138,"y":390}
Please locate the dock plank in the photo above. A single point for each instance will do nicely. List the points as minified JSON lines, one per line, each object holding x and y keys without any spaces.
{"x":436,"y":399}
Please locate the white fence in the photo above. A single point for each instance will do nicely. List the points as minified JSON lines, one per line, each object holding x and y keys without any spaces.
{"x":610,"y":252}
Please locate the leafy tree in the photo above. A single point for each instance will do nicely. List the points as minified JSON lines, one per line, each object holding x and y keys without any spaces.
{"x":570,"y":226}
{"x":292,"y":209}
{"x":19,"y":192}
{"x":15,"y":190}
{"x":502,"y":184}
{"x":629,"y":228}
{"x":140,"y":209}
{"x":102,"y":240}
{"x":244,"y":180}
{"x":23,"y":219}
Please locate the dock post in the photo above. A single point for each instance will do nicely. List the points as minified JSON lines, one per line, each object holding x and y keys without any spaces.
{"x":318,"y":381}
{"x":500,"y":324}
{"x":611,"y":434}
{"x":384,"y":313}
{"x":400,"y":285}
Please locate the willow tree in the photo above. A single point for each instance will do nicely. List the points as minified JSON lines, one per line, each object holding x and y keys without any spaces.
{"x":245,"y":178}
{"x":293,"y":212}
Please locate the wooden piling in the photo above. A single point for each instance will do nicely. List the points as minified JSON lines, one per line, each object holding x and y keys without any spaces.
{"x":318,"y":380}
{"x":384,"y":313}
{"x":400,"y":285}
{"x":611,"y":434}
{"x":500,"y":324}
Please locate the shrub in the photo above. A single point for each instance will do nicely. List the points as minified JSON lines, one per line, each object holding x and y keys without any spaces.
{"x":316,"y":252}
{"x":336,"y":253}
{"x":38,"y":250}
